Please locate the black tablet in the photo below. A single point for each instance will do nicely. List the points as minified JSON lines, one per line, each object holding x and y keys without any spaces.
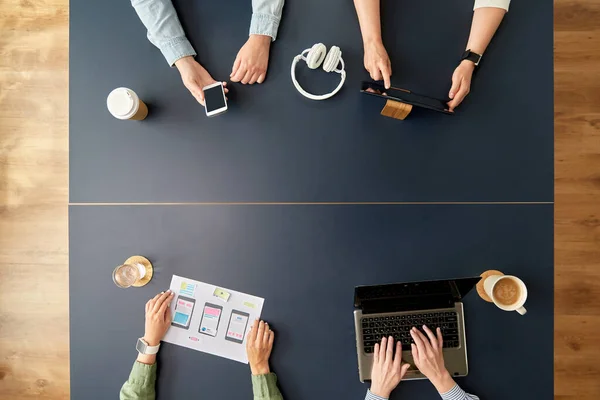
{"x":405,"y":96}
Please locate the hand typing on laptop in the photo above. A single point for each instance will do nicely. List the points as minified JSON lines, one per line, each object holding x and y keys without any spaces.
{"x":388,"y":369}
{"x":428,"y":357}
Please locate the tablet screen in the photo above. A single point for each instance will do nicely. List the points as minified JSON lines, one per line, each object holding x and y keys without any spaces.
{"x":405,"y":96}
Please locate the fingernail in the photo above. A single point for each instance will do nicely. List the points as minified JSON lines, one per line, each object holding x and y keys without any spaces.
{"x":162,"y":292}
{"x":424,"y":326}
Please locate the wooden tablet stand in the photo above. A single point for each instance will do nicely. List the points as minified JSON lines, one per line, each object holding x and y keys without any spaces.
{"x":396,"y":109}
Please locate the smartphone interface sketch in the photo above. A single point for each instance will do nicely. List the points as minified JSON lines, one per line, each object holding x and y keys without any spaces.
{"x":184,"y":307}
{"x":238,"y":322}
{"x":211,"y":315}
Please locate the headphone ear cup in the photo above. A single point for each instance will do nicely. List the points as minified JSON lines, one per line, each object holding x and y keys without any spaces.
{"x":333,"y":59}
{"x":316,"y":55}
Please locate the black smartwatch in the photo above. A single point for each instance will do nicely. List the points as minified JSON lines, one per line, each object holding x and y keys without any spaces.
{"x":471,"y":56}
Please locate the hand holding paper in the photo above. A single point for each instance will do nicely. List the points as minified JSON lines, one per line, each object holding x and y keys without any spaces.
{"x":258,"y":346}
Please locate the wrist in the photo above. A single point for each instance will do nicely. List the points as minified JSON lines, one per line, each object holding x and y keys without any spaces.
{"x":260,"y":369}
{"x":372,"y":41}
{"x":468,"y":63}
{"x":148,"y":359}
{"x":151,"y":340}
{"x":263,"y":39}
{"x":184,"y":61}
{"x":443,"y":382}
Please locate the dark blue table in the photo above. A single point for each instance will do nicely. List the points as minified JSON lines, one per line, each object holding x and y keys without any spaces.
{"x":276,"y":146}
{"x":305,"y":261}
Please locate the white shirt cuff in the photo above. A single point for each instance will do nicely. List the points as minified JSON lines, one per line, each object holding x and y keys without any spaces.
{"x":492,"y":3}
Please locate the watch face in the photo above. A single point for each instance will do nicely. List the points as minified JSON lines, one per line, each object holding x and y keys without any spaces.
{"x":141,"y":346}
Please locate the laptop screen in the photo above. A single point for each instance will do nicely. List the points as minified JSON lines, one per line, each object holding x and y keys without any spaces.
{"x":412,"y":295}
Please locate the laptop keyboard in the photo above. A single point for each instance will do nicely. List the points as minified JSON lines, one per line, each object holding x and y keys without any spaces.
{"x":399,"y":326}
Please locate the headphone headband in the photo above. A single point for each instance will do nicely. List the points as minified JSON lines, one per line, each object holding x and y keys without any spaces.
{"x":314,"y":58}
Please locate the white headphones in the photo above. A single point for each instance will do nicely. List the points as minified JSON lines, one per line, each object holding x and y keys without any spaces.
{"x":313,"y":59}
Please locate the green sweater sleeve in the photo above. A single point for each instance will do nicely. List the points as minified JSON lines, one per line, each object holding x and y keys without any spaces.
{"x":265,"y":387}
{"x":140,"y":385}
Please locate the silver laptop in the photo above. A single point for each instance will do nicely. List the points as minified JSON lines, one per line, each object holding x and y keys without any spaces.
{"x":393,"y":309}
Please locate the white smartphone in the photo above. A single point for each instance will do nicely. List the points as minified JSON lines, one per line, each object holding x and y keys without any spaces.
{"x":214,"y":99}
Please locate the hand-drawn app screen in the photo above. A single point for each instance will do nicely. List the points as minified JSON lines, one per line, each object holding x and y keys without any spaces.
{"x":237,"y":326}
{"x":183,"y":311}
{"x":210,"y":319}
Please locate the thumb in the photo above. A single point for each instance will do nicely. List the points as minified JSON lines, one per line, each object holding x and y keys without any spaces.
{"x":455,"y":86}
{"x":199,"y":95}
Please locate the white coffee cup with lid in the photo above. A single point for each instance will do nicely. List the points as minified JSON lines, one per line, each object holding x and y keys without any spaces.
{"x":124,"y":103}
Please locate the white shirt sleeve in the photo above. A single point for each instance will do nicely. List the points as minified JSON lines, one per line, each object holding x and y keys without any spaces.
{"x":492,"y":3}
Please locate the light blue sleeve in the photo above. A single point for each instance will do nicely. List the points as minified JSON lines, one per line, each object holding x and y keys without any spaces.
{"x":266,"y":15}
{"x":456,"y":393}
{"x":164,"y":29}
{"x":371,"y":396}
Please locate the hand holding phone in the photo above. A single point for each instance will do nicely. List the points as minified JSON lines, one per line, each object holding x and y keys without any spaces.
{"x":214,"y":99}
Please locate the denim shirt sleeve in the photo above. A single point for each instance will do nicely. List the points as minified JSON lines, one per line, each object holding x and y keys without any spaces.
{"x":164,"y":29}
{"x":266,"y":15}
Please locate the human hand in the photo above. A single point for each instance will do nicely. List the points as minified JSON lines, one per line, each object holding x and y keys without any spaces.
{"x":429,"y":358}
{"x":195,"y":77}
{"x":158,"y":317}
{"x":388,"y":370}
{"x":377,"y":62}
{"x":461,"y":83}
{"x":250,"y":65}
{"x":258,"y":347}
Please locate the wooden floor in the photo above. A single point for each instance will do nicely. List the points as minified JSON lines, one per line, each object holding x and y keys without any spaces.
{"x":34,"y":341}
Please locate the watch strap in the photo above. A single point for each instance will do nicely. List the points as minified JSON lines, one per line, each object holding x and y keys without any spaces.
{"x":471,"y":56}
{"x":144,"y":348}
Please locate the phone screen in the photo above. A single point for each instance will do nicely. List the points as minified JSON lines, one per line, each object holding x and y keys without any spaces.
{"x":183,"y":312}
{"x":214,"y":98}
{"x":237,"y":326}
{"x":210,"y":319}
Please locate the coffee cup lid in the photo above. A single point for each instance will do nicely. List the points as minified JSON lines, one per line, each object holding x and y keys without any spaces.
{"x":122,"y":103}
